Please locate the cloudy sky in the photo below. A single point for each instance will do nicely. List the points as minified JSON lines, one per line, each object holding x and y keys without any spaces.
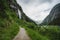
{"x":37,"y":10}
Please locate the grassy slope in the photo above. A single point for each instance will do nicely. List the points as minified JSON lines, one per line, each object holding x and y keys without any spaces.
{"x":8,"y":22}
{"x":35,"y":35}
{"x":51,"y":31}
{"x":9,"y":27}
{"x":45,"y":33}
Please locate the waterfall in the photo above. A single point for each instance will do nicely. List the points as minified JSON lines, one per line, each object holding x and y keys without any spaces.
{"x":19,"y":13}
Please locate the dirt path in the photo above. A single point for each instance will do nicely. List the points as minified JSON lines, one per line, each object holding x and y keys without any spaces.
{"x":22,"y":35}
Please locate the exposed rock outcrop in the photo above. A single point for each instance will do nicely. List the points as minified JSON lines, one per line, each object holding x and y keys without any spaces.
{"x":54,"y":17}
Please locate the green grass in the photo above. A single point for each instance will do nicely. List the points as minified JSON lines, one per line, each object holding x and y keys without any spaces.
{"x":44,"y":32}
{"x":9,"y":32}
{"x":50,"y":31}
{"x":9,"y":26}
{"x":35,"y":35}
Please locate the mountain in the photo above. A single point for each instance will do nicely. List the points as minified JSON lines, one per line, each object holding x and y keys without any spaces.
{"x":16,"y":6}
{"x":9,"y":19}
{"x":10,"y":24}
{"x":54,"y":17}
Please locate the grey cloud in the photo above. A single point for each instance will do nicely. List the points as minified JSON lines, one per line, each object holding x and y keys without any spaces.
{"x":46,"y":10}
{"x":25,"y":1}
{"x":38,"y":15}
{"x":42,"y":1}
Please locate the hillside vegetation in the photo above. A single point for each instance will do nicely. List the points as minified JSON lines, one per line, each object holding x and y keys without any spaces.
{"x":10,"y":23}
{"x":45,"y":32}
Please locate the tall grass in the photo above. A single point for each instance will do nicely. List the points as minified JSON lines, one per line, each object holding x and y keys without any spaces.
{"x":35,"y":35}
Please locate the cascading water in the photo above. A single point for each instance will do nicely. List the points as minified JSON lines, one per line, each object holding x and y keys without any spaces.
{"x":19,"y":13}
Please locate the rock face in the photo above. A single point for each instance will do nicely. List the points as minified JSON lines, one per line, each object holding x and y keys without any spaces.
{"x":14,"y":5}
{"x":54,"y":17}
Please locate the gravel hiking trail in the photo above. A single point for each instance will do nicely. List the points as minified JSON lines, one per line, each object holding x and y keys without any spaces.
{"x":22,"y":35}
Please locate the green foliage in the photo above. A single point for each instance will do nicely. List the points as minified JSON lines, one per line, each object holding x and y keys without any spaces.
{"x":50,"y":31}
{"x":35,"y":35}
{"x":8,"y":25}
{"x":9,"y":32}
{"x":45,"y":32}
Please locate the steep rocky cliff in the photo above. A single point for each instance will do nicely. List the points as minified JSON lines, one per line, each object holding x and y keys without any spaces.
{"x":54,"y":17}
